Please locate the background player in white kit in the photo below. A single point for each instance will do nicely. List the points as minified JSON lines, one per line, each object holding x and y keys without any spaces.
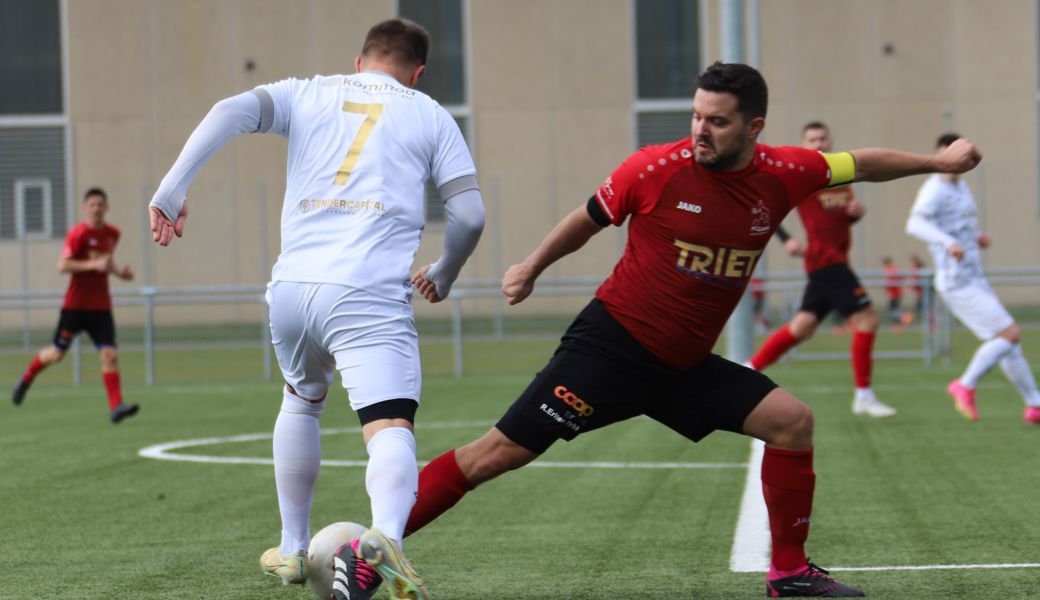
{"x":945,"y":216}
{"x":361,"y":148}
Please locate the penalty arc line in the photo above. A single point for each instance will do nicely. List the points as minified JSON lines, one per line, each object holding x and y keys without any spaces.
{"x":165,"y":452}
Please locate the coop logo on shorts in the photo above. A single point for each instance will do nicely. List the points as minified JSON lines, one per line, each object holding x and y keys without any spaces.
{"x":583,"y":408}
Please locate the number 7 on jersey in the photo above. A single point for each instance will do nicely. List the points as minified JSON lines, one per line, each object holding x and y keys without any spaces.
{"x":372,"y":113}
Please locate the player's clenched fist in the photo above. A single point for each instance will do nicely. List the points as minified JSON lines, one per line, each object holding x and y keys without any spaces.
{"x":518,"y":283}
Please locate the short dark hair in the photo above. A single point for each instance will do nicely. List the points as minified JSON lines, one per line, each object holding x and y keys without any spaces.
{"x":403,"y":40}
{"x":815,"y":125}
{"x":741,"y":80}
{"x":947,"y":138}
{"x":95,"y":191}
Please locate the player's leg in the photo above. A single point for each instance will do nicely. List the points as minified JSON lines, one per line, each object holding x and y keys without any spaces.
{"x":720,"y":395}
{"x":1017,"y":370}
{"x":102,"y":330}
{"x":596,"y":377}
{"x":296,"y":445}
{"x":785,"y":424}
{"x":376,"y":349}
{"x":799,"y":329}
{"x":68,"y":327}
{"x":979,"y":309}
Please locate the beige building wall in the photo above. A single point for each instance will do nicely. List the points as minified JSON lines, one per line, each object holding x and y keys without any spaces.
{"x":552,"y":94}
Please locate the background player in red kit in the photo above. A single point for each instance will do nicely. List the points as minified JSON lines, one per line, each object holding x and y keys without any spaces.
{"x":699,"y":213}
{"x":828,"y":216}
{"x":87,"y":257}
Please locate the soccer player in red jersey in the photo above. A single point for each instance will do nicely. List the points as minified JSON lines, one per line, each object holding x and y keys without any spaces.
{"x":699,"y":213}
{"x":828,"y":215}
{"x":87,"y":257}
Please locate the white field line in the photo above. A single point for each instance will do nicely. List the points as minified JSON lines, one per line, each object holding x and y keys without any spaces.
{"x":751,"y":543}
{"x":165,"y":452}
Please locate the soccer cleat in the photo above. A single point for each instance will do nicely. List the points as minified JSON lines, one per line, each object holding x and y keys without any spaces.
{"x":963,"y":399}
{"x":18,"y":393}
{"x":385,"y":556}
{"x":1032,"y":415}
{"x":353,"y":578}
{"x":866,"y":403}
{"x":812,"y":581}
{"x":290,"y":570}
{"x":123,"y":411}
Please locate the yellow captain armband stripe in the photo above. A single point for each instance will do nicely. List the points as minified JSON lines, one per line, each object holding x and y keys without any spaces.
{"x":842,"y":166}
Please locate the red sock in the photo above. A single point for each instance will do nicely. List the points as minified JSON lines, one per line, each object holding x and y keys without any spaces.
{"x":787,"y":484}
{"x":441,"y":485}
{"x":115,"y":394}
{"x":34,"y":368}
{"x":776,"y":345}
{"x":862,"y":357}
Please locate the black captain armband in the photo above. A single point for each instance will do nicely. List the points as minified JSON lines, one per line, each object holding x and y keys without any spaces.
{"x":782,"y":234}
{"x":596,"y":212}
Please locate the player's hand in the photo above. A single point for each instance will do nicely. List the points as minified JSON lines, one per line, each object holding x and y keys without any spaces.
{"x":518,"y":283}
{"x":794,"y":247}
{"x":163,"y":229}
{"x":102,"y":264}
{"x":956,"y":251}
{"x":855,"y":209}
{"x":126,"y":273}
{"x":984,"y":240}
{"x":958,"y":157}
{"x":427,"y":288}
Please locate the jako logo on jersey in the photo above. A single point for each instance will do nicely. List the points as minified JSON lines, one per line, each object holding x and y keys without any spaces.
{"x":727,"y":262}
{"x":761,"y":224}
{"x":584,"y":409}
{"x":689,"y":207}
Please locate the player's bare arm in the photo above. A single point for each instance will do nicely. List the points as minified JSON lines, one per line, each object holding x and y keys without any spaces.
{"x":882,"y":164}
{"x":984,"y":240}
{"x":569,"y":235}
{"x":856,"y":210}
{"x":100,"y":264}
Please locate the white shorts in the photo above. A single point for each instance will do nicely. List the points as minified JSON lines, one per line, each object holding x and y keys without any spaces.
{"x":319,"y":327}
{"x":978,"y":308}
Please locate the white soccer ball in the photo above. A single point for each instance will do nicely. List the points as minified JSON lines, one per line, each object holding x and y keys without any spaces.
{"x":323,"y":547}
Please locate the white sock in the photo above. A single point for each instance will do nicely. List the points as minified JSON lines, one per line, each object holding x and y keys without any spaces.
{"x":865,"y":395}
{"x":392,"y":480}
{"x":297,"y":458}
{"x":986,"y":357}
{"x":1016,"y":367}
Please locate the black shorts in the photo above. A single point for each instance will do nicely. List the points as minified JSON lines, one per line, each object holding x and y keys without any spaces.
{"x":600,"y":375}
{"x":97,"y":323}
{"x":837,"y":288}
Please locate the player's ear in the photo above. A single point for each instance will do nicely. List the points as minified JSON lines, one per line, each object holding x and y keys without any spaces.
{"x":417,"y":72}
{"x":357,"y":64}
{"x":756,"y":126}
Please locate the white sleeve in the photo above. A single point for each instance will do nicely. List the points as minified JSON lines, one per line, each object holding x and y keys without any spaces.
{"x":465,"y":209}
{"x":451,"y":158}
{"x":228,"y":118}
{"x":923,"y":228}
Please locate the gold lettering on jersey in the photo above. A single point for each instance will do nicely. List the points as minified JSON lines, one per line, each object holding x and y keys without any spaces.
{"x":372,"y":113}
{"x":833,"y":200}
{"x":726,"y":262}
{"x":338,"y":204}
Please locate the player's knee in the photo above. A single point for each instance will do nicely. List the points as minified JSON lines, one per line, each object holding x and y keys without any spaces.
{"x":51,"y":355}
{"x":865,"y":320}
{"x":487,"y":458}
{"x":797,"y":431}
{"x":109,"y":356}
{"x":1011,"y":333}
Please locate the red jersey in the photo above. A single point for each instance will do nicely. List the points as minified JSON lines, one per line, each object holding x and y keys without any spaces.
{"x":828,"y":226}
{"x":89,"y":290}
{"x":694,"y":238}
{"x":893,"y":281}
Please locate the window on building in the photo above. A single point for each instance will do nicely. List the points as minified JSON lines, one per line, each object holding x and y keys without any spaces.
{"x":33,"y":125}
{"x":668,"y":60}
{"x":445,"y":77}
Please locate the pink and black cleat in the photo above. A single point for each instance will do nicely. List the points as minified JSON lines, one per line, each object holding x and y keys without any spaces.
{"x":963,"y":399}
{"x":352,"y":579}
{"x":810,"y":581}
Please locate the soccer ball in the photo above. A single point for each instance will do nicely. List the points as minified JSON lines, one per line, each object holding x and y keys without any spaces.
{"x":323,"y":547}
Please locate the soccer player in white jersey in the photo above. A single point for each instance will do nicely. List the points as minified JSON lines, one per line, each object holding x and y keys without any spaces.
{"x":944,"y":215}
{"x":361,"y":148}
